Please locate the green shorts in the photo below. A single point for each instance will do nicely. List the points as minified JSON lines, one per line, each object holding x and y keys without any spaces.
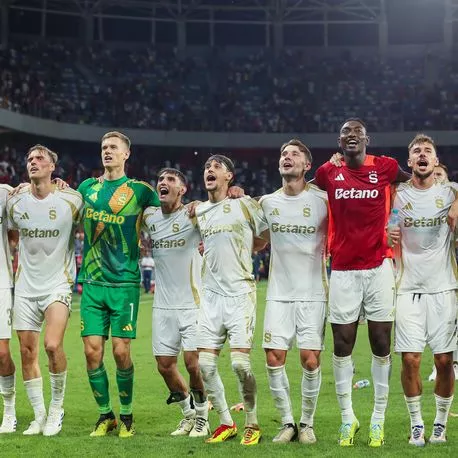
{"x":105,"y":307}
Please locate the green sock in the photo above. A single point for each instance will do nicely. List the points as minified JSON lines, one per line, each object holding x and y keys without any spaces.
{"x":99,"y":385}
{"x":125,"y":381}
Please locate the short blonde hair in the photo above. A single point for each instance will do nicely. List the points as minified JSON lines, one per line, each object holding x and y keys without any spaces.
{"x":119,"y":135}
{"x":422,"y":138}
{"x":44,"y":149}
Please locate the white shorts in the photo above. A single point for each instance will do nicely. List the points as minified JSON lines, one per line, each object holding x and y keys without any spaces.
{"x":286,"y":321}
{"x":370,"y":292}
{"x":174,"y":330}
{"x":222,"y":317}
{"x":29,"y":312}
{"x":6,"y":312}
{"x":425,"y":319}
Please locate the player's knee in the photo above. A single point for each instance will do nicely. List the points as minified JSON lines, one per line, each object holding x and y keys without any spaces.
{"x":165,"y":368}
{"x":274,"y":358}
{"x":192,"y":366}
{"x":52,"y":347}
{"x":443,"y":361}
{"x":121,"y":354}
{"x":93,"y":355}
{"x":5,"y":356}
{"x":411,"y":361}
{"x":28,"y":354}
{"x":310,"y":364}
{"x":241,"y":364}
{"x":207,"y":364}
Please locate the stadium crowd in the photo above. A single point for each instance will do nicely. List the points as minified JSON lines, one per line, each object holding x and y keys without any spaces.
{"x":219,"y":91}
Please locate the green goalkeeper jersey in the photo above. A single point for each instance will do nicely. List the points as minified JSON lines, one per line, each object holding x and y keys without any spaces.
{"x":112,"y":221}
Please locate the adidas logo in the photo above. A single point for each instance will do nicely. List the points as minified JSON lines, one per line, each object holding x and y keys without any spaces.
{"x":25,"y":216}
{"x":408,"y":206}
{"x":123,"y":394}
{"x":93,"y":197}
{"x":97,"y":394}
{"x":275,"y":212}
{"x":128,"y":328}
{"x":339,"y":177}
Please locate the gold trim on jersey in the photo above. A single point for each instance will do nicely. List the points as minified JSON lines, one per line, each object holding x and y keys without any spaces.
{"x":324,"y":277}
{"x":453,"y":258}
{"x":194,"y":289}
{"x":18,"y":273}
{"x":67,"y":263}
{"x":74,"y":210}
{"x":247,"y":215}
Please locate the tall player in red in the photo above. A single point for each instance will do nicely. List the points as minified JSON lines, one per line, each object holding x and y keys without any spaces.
{"x":362,"y":277}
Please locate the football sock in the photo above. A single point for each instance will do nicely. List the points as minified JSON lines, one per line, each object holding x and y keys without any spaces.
{"x":343,"y":375}
{"x":311,"y":383}
{"x":247,"y":384}
{"x":125,"y":381}
{"x":100,"y":389}
{"x":279,"y":387}
{"x":414,"y":407}
{"x":381,"y":371}
{"x":186,"y":409}
{"x":200,"y":403}
{"x":34,"y":390}
{"x":8,"y":392}
{"x":214,"y":386}
{"x":58,"y":382}
{"x":442,"y":409}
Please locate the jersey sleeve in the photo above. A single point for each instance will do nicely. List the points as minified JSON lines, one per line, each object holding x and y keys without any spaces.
{"x":150,"y":197}
{"x":9,"y":211}
{"x":254,"y":214}
{"x":148,"y":217}
{"x":389,"y":167}
{"x":321,"y":177}
{"x":84,"y":186}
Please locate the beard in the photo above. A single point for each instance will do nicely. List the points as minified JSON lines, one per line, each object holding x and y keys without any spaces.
{"x":423,"y":175}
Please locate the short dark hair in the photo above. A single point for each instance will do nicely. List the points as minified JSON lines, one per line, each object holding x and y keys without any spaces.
{"x":354,"y":120}
{"x":301,"y":146}
{"x":175,"y":172}
{"x":224,"y":160}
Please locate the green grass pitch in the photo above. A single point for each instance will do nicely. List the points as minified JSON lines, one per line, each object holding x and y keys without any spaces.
{"x":155,"y":420}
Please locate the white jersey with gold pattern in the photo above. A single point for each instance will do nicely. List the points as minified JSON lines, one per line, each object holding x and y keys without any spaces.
{"x":175,"y":240}
{"x":426,"y":263}
{"x":298,"y":230}
{"x":46,"y":240}
{"x":6,"y":267}
{"x":227,"y":229}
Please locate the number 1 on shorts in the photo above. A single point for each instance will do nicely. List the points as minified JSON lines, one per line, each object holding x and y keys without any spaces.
{"x":131,"y":311}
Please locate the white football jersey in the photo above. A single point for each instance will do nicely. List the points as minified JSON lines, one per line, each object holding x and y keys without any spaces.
{"x":227,"y":229}
{"x":298,"y":230}
{"x":6,"y":267}
{"x":426,"y":262}
{"x":46,"y":240}
{"x":175,"y":240}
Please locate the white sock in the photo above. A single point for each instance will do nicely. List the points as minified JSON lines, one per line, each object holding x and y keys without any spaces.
{"x":58,"y":382}
{"x":442,"y":409}
{"x":34,"y":390}
{"x":214,"y":386}
{"x":381,"y":371}
{"x":343,"y":375}
{"x":185,"y":405}
{"x":8,"y":391}
{"x":311,"y":383}
{"x":201,"y":409}
{"x":414,"y":408}
{"x":247,"y":385}
{"x":279,"y":387}
{"x":455,"y":356}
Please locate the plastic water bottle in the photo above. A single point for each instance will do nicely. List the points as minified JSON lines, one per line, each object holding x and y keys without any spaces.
{"x":394,"y":220}
{"x":393,"y":223}
{"x":361,"y":384}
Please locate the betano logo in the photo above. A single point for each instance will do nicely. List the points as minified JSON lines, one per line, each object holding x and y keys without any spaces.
{"x":40,"y":233}
{"x":425,"y":222}
{"x":353,"y":193}
{"x":104,"y":216}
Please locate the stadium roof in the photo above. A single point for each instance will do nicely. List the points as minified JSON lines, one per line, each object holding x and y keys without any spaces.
{"x":220,"y":10}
